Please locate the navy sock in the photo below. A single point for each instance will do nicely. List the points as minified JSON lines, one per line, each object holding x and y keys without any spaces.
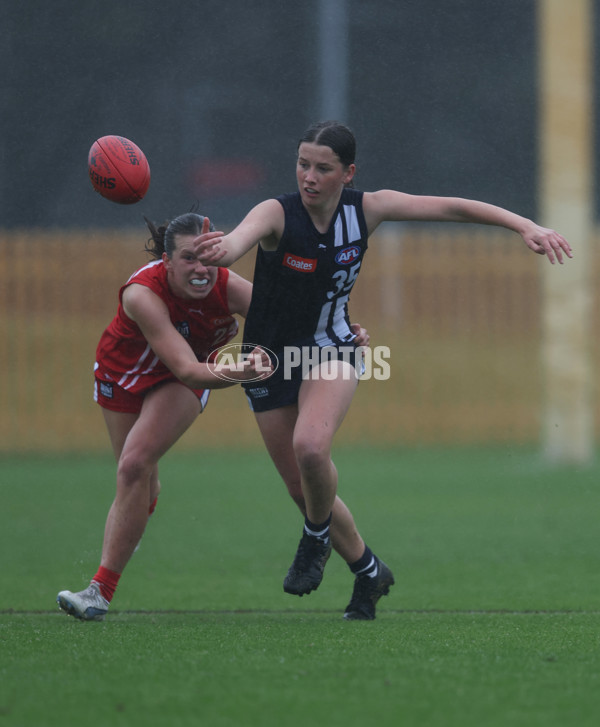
{"x":366,"y":565}
{"x":320,"y":531}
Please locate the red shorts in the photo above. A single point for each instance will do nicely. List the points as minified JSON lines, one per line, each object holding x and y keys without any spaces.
{"x":111,"y":396}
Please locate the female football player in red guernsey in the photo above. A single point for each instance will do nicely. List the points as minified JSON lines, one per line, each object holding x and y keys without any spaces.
{"x":311,"y":250}
{"x":152,"y":381}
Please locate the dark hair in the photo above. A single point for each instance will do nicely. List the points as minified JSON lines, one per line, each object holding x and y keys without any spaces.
{"x":336,"y":136}
{"x":163,"y":236}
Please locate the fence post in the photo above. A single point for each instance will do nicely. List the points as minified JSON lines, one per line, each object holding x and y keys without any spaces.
{"x":565,"y":31}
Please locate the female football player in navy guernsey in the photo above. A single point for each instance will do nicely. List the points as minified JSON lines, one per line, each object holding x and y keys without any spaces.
{"x":311,"y":249}
{"x":152,"y":382}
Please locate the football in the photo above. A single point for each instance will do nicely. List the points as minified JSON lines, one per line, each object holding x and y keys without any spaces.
{"x":118,"y":169}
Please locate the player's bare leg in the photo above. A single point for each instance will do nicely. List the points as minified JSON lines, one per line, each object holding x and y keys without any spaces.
{"x":166,"y":414}
{"x":139,"y":441}
{"x":277,"y":429}
{"x":322,"y":405}
{"x":299,"y":440}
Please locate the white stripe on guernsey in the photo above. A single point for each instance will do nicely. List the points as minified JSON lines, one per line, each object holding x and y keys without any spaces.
{"x":339,"y":232}
{"x":149,"y":265}
{"x":131,"y":383}
{"x":352,"y":223}
{"x":142,"y":373}
{"x":339,"y":325}
{"x":135,"y":369}
{"x":321,"y":335}
{"x":152,"y":365}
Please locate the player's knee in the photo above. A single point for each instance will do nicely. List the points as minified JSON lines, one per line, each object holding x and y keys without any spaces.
{"x":311,"y":454}
{"x":134,"y":467}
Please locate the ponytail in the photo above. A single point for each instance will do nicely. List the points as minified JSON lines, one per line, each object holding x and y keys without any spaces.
{"x":155,"y":245}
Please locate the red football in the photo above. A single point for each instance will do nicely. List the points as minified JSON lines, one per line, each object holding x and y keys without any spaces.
{"x":118,"y":169}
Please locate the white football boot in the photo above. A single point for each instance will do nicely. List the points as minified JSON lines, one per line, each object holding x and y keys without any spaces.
{"x":87,"y":605}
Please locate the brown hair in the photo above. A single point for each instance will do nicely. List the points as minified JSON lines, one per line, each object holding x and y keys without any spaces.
{"x":163,"y":237}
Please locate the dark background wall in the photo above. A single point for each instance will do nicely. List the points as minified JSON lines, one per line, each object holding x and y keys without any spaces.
{"x":442,"y":97}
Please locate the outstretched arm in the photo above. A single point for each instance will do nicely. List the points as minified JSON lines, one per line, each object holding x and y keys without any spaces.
{"x":152,"y":316}
{"x":264,"y":223}
{"x":388,"y":205}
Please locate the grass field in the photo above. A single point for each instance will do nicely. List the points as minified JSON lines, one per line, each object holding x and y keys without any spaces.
{"x":494,"y":619}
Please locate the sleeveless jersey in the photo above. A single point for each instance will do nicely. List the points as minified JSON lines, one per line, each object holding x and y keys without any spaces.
{"x":125,"y":357}
{"x":301,"y":290}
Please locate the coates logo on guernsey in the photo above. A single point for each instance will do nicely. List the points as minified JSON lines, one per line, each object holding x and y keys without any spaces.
{"x":301,"y":264}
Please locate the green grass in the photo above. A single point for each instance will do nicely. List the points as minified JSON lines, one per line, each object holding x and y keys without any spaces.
{"x":494,"y":619}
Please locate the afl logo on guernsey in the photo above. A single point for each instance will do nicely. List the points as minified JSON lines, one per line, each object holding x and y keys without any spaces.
{"x":347,"y":255}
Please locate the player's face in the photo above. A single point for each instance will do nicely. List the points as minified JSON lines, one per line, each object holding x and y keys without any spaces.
{"x":188,"y":277}
{"x":320,"y":174}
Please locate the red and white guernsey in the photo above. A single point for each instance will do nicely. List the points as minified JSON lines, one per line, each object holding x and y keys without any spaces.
{"x":124,"y":356}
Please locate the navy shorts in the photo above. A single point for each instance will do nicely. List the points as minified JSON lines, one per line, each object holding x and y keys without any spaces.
{"x":283,"y":386}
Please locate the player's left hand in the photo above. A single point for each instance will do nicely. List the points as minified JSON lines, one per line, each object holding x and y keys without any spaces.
{"x":207,"y":245}
{"x":362,"y":335}
{"x":547,"y":242}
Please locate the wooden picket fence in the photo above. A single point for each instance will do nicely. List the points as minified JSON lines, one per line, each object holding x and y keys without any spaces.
{"x":459,"y":309}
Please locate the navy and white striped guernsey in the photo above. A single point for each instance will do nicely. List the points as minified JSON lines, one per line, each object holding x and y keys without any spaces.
{"x":301,"y":290}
